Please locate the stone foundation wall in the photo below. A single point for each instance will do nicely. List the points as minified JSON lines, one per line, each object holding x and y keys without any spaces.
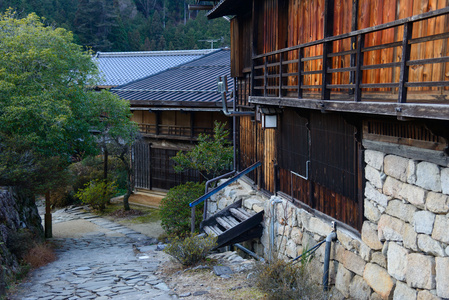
{"x":403,"y":249}
{"x":18,"y":213}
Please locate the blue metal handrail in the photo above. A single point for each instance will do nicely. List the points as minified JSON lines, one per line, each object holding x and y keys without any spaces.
{"x":217,"y":189}
{"x":225,"y":184}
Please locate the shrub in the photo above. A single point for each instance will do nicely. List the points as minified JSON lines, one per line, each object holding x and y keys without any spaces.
{"x":40,"y":255}
{"x":175,"y":211}
{"x":191,"y":250}
{"x":97,"y":193}
{"x":281,"y":280}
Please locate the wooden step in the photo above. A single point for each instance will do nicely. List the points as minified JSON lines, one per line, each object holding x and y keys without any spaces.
{"x":232,"y":220}
{"x":239,"y":214}
{"x":225,"y":223}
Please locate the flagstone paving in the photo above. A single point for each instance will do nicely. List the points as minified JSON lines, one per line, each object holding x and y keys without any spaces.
{"x":116,"y":263}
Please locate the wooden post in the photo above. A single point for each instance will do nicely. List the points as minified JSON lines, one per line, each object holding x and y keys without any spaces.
{"x":359,"y":72}
{"x":48,"y":227}
{"x":328,"y":27}
{"x":403,"y":77}
{"x":192,"y":225}
{"x":300,"y":69}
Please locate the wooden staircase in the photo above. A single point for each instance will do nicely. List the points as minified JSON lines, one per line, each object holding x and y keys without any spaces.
{"x":233,"y":225}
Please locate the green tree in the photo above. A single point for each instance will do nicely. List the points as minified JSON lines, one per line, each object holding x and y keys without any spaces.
{"x":211,"y":156}
{"x":117,"y":134}
{"x":46,"y":113}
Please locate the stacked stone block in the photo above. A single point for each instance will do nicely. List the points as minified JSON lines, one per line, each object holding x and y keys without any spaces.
{"x":403,"y":249}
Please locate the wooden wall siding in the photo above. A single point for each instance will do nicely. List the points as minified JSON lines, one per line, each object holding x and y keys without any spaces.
{"x":141,"y":163}
{"x":241,"y":41}
{"x":154,"y":168}
{"x":333,"y":154}
{"x":243,"y":90}
{"x":248,"y":146}
{"x":276,"y":73}
{"x":332,"y":184}
{"x":293,"y":142}
{"x":269,"y":158}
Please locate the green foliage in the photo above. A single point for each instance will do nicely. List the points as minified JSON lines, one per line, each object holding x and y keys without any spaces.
{"x":47,"y":115}
{"x":283,"y":280}
{"x":127,"y":25}
{"x":97,"y":193}
{"x":175,"y":211}
{"x":191,"y":250}
{"x":211,"y":156}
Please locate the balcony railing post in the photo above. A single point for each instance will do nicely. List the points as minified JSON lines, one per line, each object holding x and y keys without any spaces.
{"x":281,"y":59}
{"x":403,"y":77}
{"x":300,"y":69}
{"x":265,"y":76}
{"x":358,"y":68}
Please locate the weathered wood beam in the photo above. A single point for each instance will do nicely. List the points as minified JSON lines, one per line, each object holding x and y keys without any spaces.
{"x":411,"y":110}
{"x":436,"y":157}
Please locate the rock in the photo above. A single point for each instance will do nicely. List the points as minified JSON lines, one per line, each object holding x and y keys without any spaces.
{"x":200,"y":293}
{"x":396,"y":167}
{"x":370,"y":236}
{"x":374,"y":159}
{"x":250,"y":202}
{"x":374,"y":195}
{"x":442,"y":276}
{"x":318,"y":226}
{"x":378,"y":279}
{"x":428,"y":176}
{"x":437,"y":203}
{"x":400,"y":210}
{"x":353,"y":262}
{"x":359,"y":289}
{"x":296,"y":235}
{"x":397,"y":261}
{"x":371,"y":212}
{"x":429,"y":245}
{"x":403,"y":292}
{"x":183,"y":295}
{"x":410,"y":237}
{"x":420,"y":271}
{"x":343,"y":280}
{"x":411,"y":171}
{"x":423,"y":221}
{"x":373,"y":176}
{"x":440,"y":229}
{"x":426,"y":295}
{"x":390,"y":228}
{"x":379,"y":258}
{"x":445,"y":181}
{"x":222,"y":270}
{"x":413,"y":194}
{"x":365,"y":252}
{"x":392,"y":187}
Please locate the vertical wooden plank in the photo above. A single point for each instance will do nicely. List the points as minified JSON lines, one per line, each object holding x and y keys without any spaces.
{"x":386,"y":75}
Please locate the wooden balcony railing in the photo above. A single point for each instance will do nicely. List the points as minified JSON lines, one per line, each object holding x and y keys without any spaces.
{"x":173,"y":130}
{"x":412,"y":67}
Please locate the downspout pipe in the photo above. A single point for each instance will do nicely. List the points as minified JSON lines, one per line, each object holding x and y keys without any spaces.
{"x":222,"y":86}
{"x":273,"y":202}
{"x":330,"y":237}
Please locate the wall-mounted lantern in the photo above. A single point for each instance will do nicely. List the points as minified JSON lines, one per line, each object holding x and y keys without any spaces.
{"x":269,"y":116}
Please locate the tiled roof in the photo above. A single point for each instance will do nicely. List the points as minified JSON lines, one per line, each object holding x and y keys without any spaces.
{"x":117,"y":68}
{"x":195,"y":81}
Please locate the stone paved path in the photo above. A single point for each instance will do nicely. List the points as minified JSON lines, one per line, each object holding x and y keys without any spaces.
{"x":98,"y":266}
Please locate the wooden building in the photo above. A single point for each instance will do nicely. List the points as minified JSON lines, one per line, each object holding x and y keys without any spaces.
{"x":172,"y":108}
{"x":330,"y":79}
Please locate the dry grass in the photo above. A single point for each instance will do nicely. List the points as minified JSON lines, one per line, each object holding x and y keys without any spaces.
{"x":40,"y":255}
